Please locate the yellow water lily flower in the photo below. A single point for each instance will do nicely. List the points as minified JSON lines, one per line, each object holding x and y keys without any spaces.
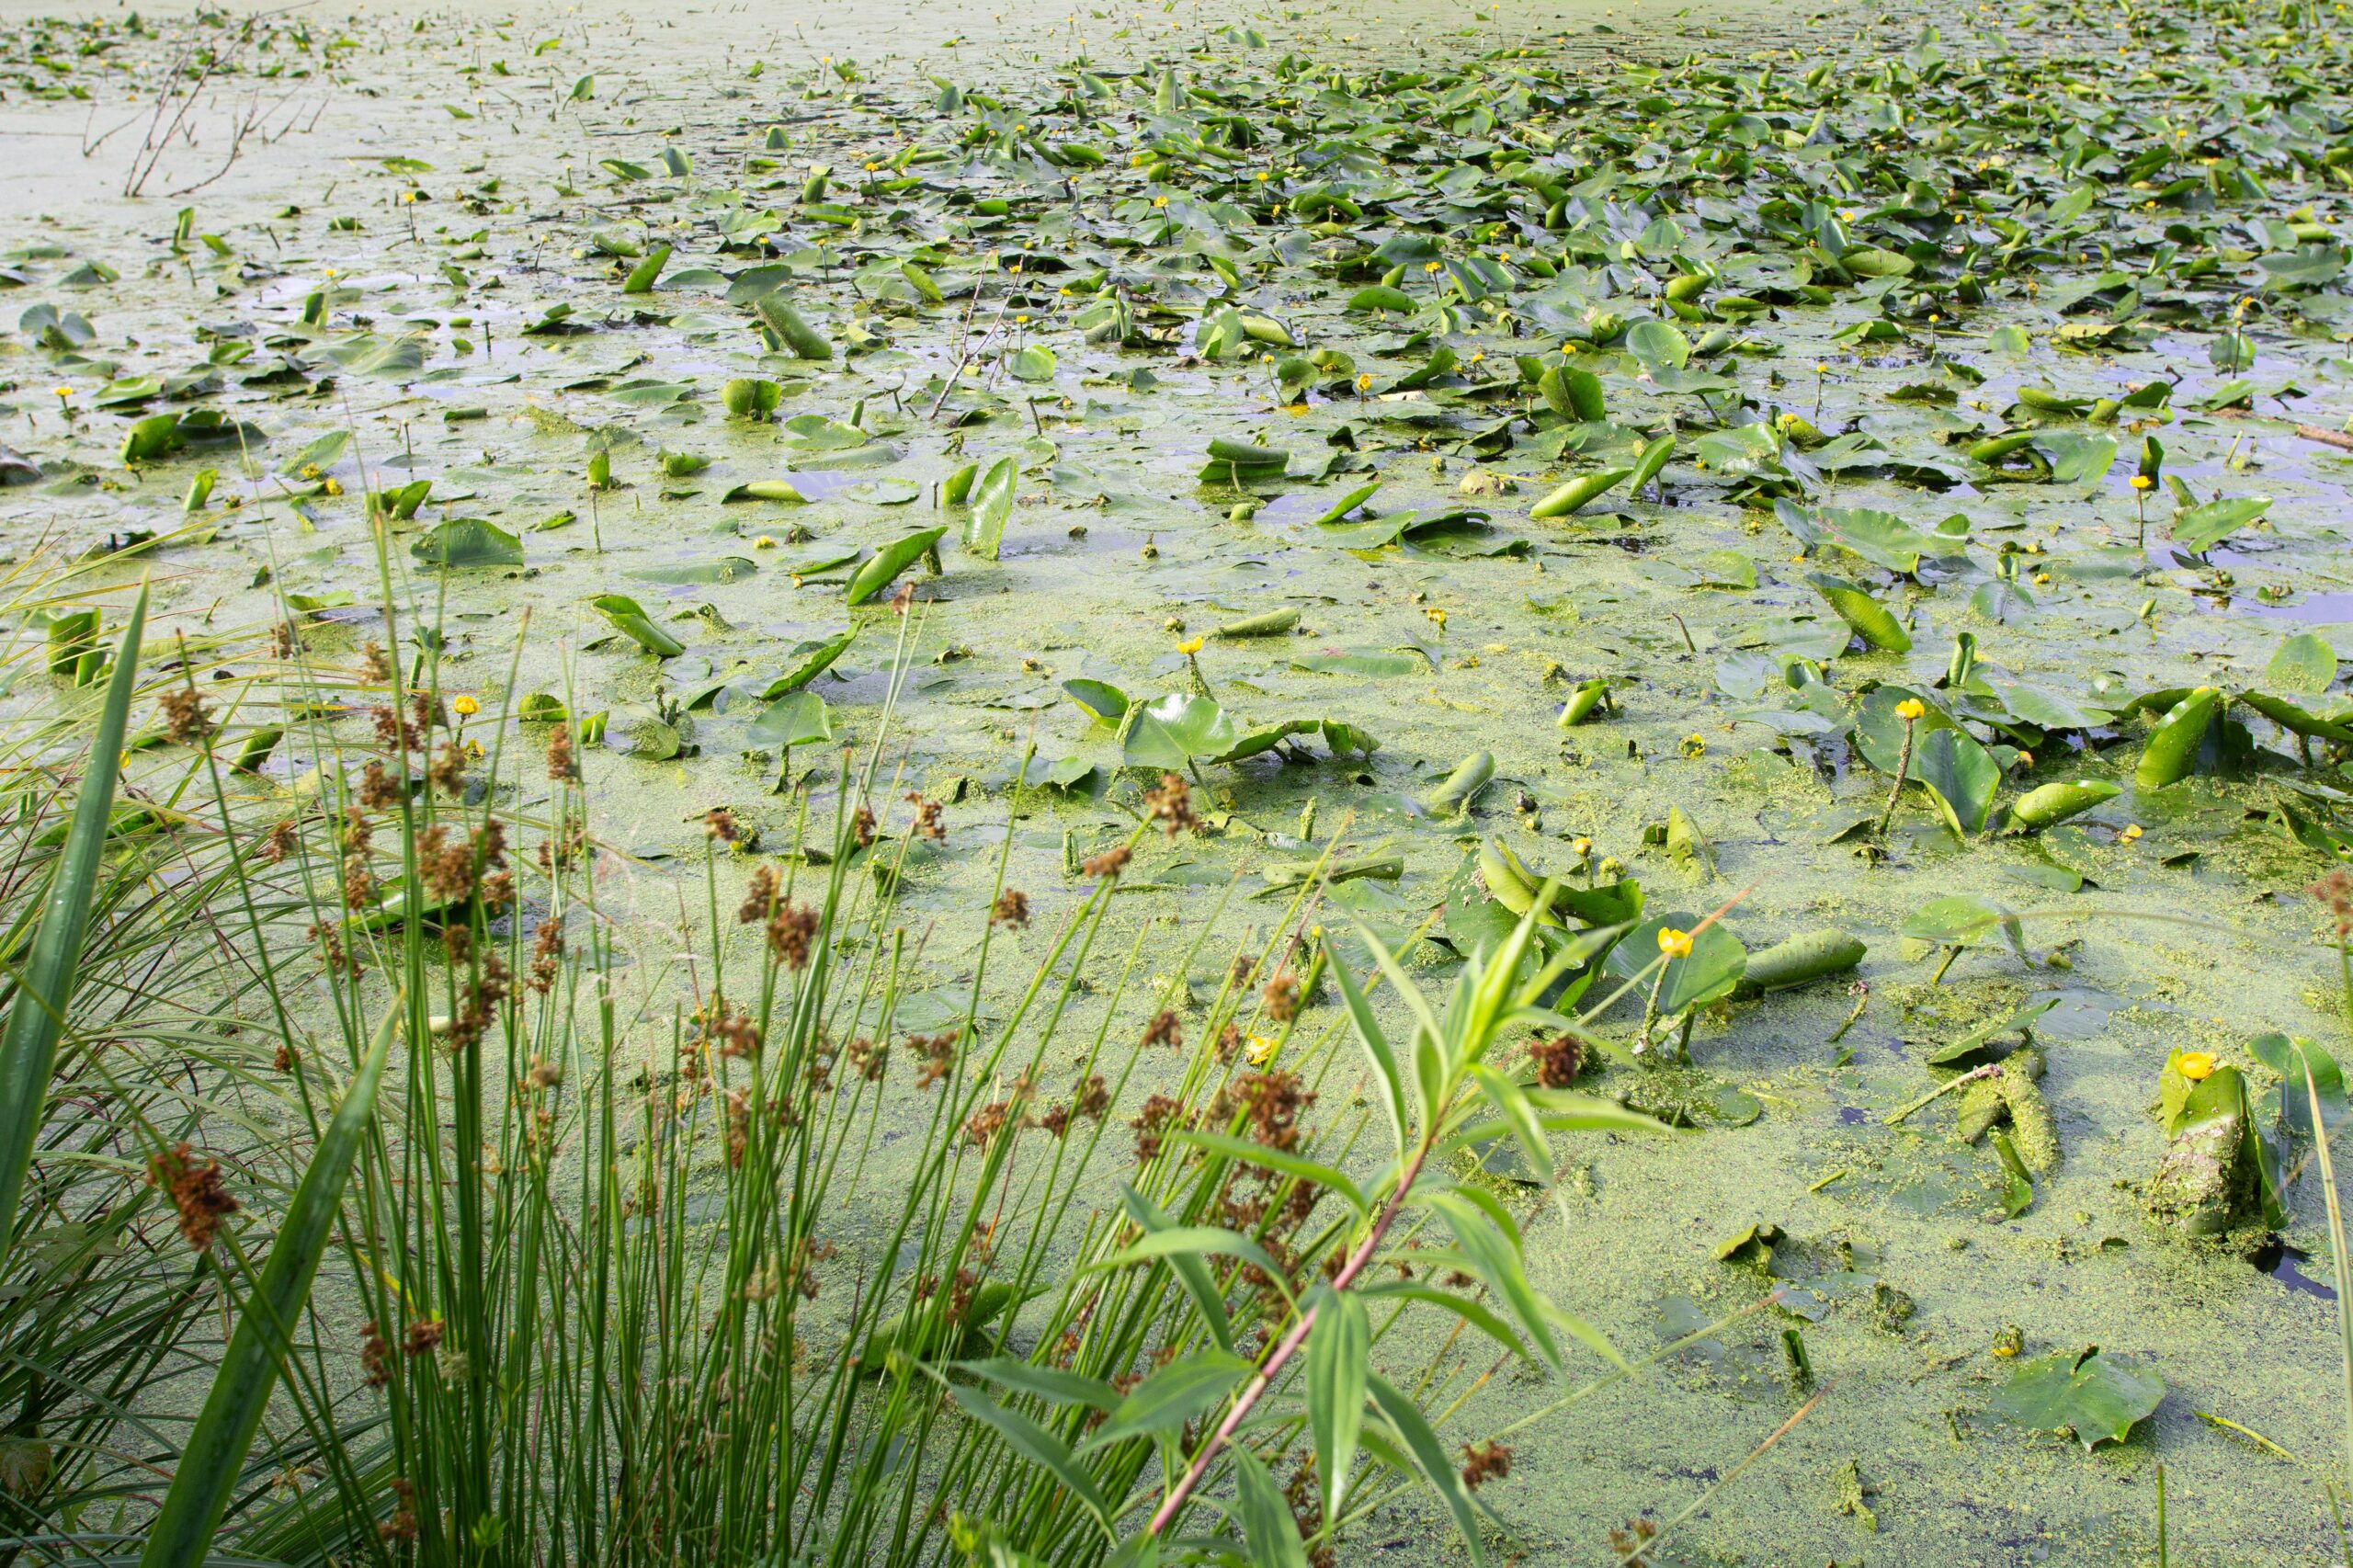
{"x":1911,"y":710}
{"x":1190,"y":646}
{"x":464,"y":707}
{"x":1675,"y":944}
{"x":2196,"y":1065}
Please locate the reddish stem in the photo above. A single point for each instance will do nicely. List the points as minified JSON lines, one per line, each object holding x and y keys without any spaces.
{"x":1264,"y":1377}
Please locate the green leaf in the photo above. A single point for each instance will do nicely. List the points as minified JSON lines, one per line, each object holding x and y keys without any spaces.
{"x":2202,"y":527}
{"x":1186,"y":1388}
{"x":1035,"y":363}
{"x":1267,"y":1523}
{"x":1310,"y":1171}
{"x":813,"y":659}
{"x":993,"y":499}
{"x":1049,"y":1383}
{"x":2303,"y":664}
{"x":463,"y":543}
{"x":1037,"y":1445}
{"x":2086,"y":1393}
{"x":1494,"y":1253}
{"x":1191,"y":1240}
{"x":44,"y":993}
{"x":2017,"y":1185}
{"x":630,"y":618}
{"x":1100,"y":701}
{"x":1192,"y":1272}
{"x":796,"y":719}
{"x":1377,"y":1048}
{"x":1429,"y":1457}
{"x":182,"y":1530}
{"x":1339,"y":1358}
{"x":1961,"y":775}
{"x":1870,"y":618}
{"x":1656,"y":344}
{"x":891,"y":560}
{"x":1708,"y":972}
{"x":1174,"y":730}
{"x":749,"y":397}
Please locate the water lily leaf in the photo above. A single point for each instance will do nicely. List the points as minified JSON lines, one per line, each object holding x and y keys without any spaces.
{"x":796,"y":719}
{"x":1871,"y":620}
{"x":2096,"y":1398}
{"x":1035,"y":363}
{"x":1710,"y":971}
{"x":2303,"y":664}
{"x":1175,"y":730}
{"x":1963,"y":920}
{"x":724,"y":569}
{"x":1656,"y":344}
{"x":1961,"y":775}
{"x":1881,"y":538}
{"x":630,"y":618}
{"x":993,"y":499}
{"x":891,"y":560}
{"x":469,"y":542}
{"x":809,"y":660}
{"x":2202,"y":527}
{"x":1104,"y":703}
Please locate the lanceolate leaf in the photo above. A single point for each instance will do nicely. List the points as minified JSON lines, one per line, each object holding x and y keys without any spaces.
{"x":183,"y":1528}
{"x":1187,"y":1388}
{"x":1037,"y":1445}
{"x":45,"y":992}
{"x":1429,"y":1457}
{"x":1339,"y":1359}
{"x":1267,"y":1522}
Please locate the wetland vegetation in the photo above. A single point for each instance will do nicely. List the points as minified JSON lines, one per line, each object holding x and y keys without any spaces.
{"x":1176,"y":784}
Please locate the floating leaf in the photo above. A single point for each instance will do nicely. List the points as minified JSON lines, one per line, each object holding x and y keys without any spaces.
{"x":2097,"y":1398}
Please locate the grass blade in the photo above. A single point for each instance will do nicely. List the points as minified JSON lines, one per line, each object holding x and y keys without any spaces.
{"x":216,"y":1449}
{"x":37,"y":1016}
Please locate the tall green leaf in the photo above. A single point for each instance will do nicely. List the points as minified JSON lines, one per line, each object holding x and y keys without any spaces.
{"x":37,"y":1013}
{"x":1339,"y":1356}
{"x":1033,"y":1443}
{"x":1267,"y":1522}
{"x":1429,"y":1457}
{"x":184,"y":1526}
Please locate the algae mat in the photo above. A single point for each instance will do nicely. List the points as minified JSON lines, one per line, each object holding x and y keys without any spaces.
{"x":1726,"y":425}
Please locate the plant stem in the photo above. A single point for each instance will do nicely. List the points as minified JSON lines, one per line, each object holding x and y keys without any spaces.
{"x":1948,"y":1087}
{"x":1265,"y":1377}
{"x":1902,"y":768}
{"x":2335,"y":1247}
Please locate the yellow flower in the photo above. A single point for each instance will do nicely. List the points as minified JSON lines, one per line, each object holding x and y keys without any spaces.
{"x":1261,"y":1050}
{"x":1821,"y":367}
{"x":2130,"y":835}
{"x":1437,"y":615}
{"x":764,"y":542}
{"x":2143,"y":482}
{"x":1364,"y":380}
{"x":464,"y":707}
{"x":62,"y":392}
{"x":2195,"y":1065}
{"x":1584,"y":846}
{"x":1429,"y":266}
{"x":1675,"y":944}
{"x":1911,"y":710}
{"x":1190,"y":646}
{"x":1695,"y":745}
{"x":1160,"y":201}
{"x":333,"y":486}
